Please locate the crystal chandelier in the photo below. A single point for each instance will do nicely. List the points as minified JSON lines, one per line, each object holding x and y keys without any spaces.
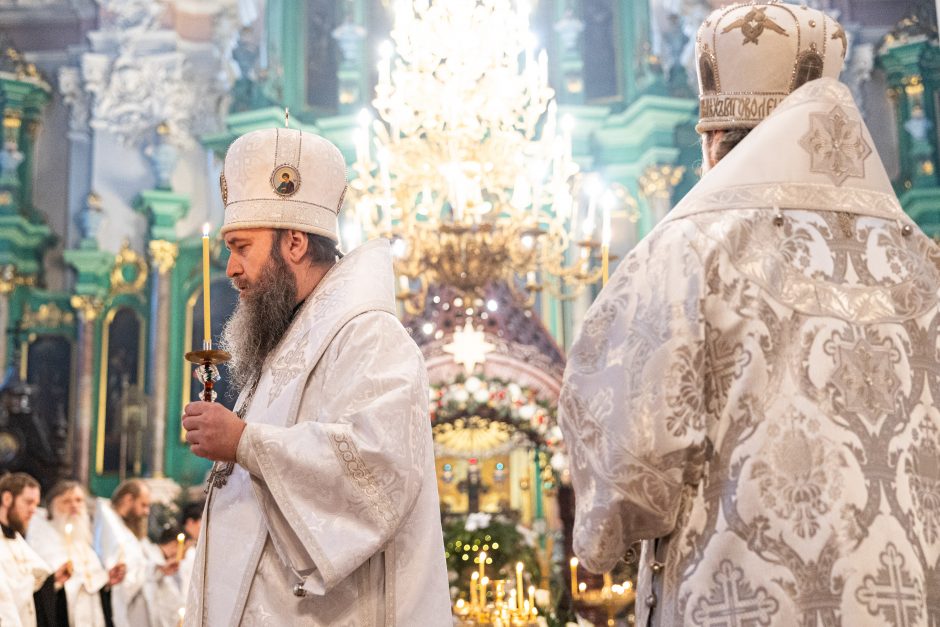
{"x":468,"y":170}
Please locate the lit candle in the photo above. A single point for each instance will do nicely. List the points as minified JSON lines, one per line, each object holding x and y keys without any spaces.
{"x":519,"y":586}
{"x":532,"y":597}
{"x":608,"y":582}
{"x":484,"y":581}
{"x":182,"y":615}
{"x":588,"y":225}
{"x":582,"y":587}
{"x":180,"y":546}
{"x":206,"y":317}
{"x":605,"y":239}
{"x":68,"y":540}
{"x":574,"y":576}
{"x":482,"y":563}
{"x":512,"y":600}
{"x":474,"y":584}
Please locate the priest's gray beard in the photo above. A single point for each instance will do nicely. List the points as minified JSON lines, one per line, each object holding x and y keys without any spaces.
{"x":261,"y":318}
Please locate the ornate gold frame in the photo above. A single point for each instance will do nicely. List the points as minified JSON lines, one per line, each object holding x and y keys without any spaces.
{"x":103,"y":376}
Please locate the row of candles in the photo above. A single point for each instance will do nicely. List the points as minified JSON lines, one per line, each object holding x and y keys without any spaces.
{"x":518,"y":610}
{"x":578,"y":589}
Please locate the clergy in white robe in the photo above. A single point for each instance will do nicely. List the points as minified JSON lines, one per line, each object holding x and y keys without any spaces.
{"x":63,"y":535}
{"x":120,"y":524}
{"x":754,"y":393}
{"x":27,"y":593}
{"x":164,"y":590}
{"x":330,"y":515}
{"x":23,"y":573}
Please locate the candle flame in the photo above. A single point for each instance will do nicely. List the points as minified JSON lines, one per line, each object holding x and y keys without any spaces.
{"x":182,"y":612}
{"x":205,"y":229}
{"x":574,"y":562}
{"x":519,"y":567}
{"x":68,"y":529}
{"x":582,"y":587}
{"x":181,"y":537}
{"x":475,"y":576}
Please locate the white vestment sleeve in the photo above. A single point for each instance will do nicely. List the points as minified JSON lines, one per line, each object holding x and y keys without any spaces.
{"x":9,"y":615}
{"x":335,"y":487}
{"x":632,"y":406}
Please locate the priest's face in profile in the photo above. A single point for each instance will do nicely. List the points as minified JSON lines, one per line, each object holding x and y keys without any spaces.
{"x":20,"y":509}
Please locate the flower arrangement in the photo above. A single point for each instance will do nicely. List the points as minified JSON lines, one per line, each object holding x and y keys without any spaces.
{"x":497,"y":400}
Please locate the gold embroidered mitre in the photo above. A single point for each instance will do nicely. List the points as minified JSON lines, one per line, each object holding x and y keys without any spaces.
{"x":283,"y":178}
{"x":751,"y":56}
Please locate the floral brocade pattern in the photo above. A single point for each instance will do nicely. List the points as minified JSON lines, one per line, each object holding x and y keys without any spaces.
{"x":761,"y":397}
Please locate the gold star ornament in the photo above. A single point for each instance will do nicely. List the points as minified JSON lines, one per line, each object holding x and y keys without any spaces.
{"x":469,"y":347}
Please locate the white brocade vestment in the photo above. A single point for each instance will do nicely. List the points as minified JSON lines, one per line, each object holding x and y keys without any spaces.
{"x":757,"y":388}
{"x":22,"y":572}
{"x":115,"y":543}
{"x":334,"y":495}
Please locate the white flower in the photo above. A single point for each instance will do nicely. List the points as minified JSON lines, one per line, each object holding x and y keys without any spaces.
{"x":481,"y":396}
{"x":527,"y":411}
{"x":478,"y":520}
{"x":514,"y":391}
{"x":528,"y":535}
{"x":473,"y":384}
{"x":559,"y":462}
{"x":460,"y":395}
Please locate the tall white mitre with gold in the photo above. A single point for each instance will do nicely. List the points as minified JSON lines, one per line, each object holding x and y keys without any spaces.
{"x":752,"y":56}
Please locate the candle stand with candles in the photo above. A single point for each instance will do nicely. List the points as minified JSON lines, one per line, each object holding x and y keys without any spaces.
{"x":607,"y":603}
{"x":499,"y":602}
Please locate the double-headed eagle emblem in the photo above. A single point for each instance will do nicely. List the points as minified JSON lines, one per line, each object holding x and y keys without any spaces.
{"x":753,"y":24}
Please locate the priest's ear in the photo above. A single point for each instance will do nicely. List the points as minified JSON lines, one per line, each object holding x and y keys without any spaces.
{"x":6,"y":499}
{"x":294,"y":245}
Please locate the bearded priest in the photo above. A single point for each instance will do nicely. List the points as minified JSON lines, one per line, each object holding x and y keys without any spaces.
{"x":322,"y":505}
{"x":29,"y":589}
{"x":66,"y":537}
